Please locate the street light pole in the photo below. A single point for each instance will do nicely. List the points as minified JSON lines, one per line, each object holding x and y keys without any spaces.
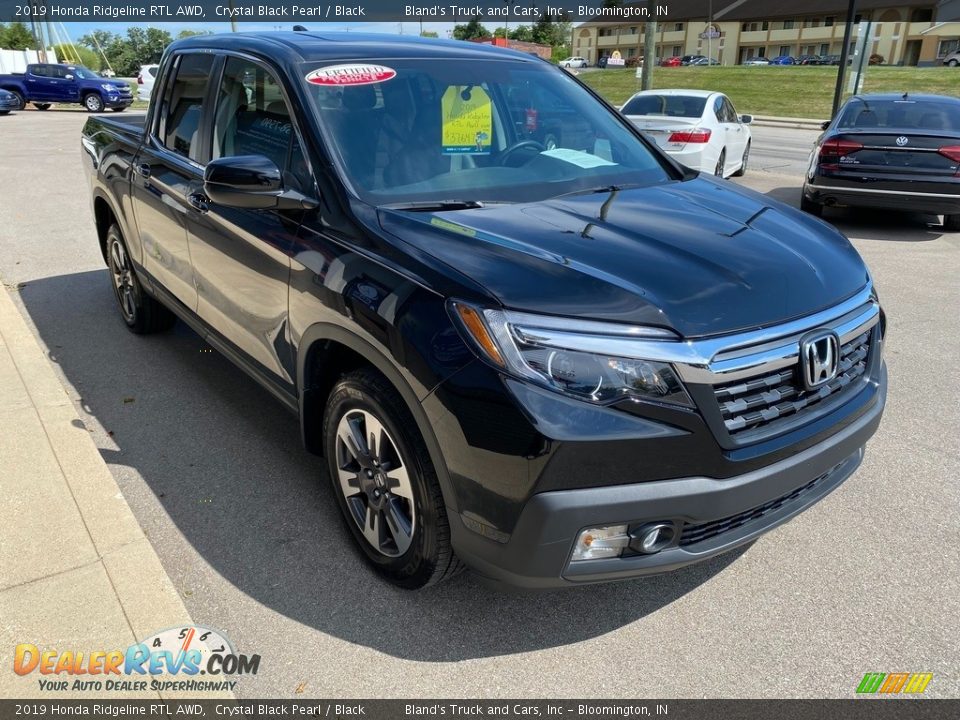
{"x":844,"y":53}
{"x":710,"y":33}
{"x":649,"y":53}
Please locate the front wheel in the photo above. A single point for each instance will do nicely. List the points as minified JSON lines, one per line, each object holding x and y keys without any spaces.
{"x":42,"y":106}
{"x":953,"y":63}
{"x":385,"y":483}
{"x":743,"y":163}
{"x":119,"y":109}
{"x":142,"y":314}
{"x":18,"y":96}
{"x":93,"y":103}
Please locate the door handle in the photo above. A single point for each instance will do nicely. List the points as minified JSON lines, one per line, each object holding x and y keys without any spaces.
{"x":142,"y":169}
{"x":199,"y":202}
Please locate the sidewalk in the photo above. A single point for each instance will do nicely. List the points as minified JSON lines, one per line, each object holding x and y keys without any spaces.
{"x":788,"y":122}
{"x":76,"y":571}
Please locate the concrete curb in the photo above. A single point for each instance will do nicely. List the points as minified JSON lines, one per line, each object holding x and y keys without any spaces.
{"x":78,"y":572}
{"x":786,"y":122}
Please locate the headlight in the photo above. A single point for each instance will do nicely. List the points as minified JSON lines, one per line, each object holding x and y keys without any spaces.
{"x":575,"y":357}
{"x":110,"y":87}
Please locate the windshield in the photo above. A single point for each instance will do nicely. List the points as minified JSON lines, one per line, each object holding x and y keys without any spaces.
{"x":84,"y":73}
{"x":860,"y":114}
{"x":669,"y":105}
{"x":494,"y":131}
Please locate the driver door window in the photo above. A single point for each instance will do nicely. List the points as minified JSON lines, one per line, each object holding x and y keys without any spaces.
{"x":252,"y":118}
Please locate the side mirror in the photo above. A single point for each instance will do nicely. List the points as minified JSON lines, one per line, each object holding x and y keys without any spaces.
{"x":253,"y":182}
{"x":825,"y":124}
{"x":746,"y":119}
{"x":68,"y":77}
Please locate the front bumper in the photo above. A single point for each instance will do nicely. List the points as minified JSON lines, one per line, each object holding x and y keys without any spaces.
{"x":537,"y":554}
{"x":123,"y":101}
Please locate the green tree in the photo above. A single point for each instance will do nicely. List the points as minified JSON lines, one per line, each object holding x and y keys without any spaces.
{"x":16,"y":36}
{"x":471,"y":31}
{"x":192,"y":33}
{"x":429,"y":34}
{"x":522,"y":32}
{"x":97,"y":39}
{"x":69,"y":54}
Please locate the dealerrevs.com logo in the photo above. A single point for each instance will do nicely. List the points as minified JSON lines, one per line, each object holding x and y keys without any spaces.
{"x":191,"y":658}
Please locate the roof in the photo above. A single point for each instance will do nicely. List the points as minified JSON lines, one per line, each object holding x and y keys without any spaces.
{"x":899,"y":96}
{"x":306,"y":46}
{"x":678,"y":91}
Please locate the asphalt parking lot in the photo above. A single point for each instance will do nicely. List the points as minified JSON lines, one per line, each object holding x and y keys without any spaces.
{"x":240,"y":515}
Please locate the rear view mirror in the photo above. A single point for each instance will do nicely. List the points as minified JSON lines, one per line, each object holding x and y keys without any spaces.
{"x":253,"y":182}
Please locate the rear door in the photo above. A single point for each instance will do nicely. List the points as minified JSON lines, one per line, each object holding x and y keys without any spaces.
{"x":40,"y":83}
{"x":167,"y":170}
{"x":734,"y":138}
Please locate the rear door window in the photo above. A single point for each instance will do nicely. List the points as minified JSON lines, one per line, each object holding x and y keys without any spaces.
{"x":182,"y":111}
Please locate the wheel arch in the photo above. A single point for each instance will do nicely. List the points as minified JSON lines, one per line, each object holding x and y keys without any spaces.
{"x":325,"y":353}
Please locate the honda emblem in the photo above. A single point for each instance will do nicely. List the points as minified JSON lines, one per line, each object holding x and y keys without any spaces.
{"x":819,"y":358}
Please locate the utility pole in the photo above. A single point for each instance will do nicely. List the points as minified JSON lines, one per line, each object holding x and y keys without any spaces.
{"x":649,"y":53}
{"x":710,"y":33}
{"x":844,"y":53}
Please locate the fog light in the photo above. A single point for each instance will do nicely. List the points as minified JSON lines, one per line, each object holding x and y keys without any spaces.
{"x":652,"y":537}
{"x":601,"y":542}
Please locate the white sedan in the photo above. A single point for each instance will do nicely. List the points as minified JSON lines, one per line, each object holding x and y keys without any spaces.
{"x":698,"y":128}
{"x":574,"y":62}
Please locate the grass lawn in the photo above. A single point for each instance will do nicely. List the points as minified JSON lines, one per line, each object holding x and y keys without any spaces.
{"x":788,"y":91}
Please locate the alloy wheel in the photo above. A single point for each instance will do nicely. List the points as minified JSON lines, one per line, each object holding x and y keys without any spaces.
{"x":123,"y":281}
{"x":375,"y":482}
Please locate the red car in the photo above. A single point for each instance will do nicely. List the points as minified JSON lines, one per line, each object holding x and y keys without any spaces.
{"x":670,"y":62}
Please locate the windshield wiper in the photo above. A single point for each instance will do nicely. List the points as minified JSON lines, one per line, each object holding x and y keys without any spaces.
{"x":604,"y":189}
{"x":433,"y":205}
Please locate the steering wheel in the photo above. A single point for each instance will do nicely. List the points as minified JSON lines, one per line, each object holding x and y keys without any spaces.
{"x":520,"y":145}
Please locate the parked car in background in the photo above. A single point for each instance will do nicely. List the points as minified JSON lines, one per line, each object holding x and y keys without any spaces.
{"x":8,"y":102}
{"x":783,"y":60}
{"x":146,"y":79}
{"x":689,"y":59}
{"x":834,"y":60}
{"x":756,"y":62}
{"x":896,"y":152}
{"x":44,"y":84}
{"x":574,"y":62}
{"x":704,"y":61}
{"x":953,"y":59}
{"x":809,"y":60}
{"x":671,"y":62}
{"x":557,"y":367}
{"x":698,"y":128}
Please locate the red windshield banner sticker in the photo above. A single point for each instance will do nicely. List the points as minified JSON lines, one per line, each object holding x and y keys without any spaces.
{"x":353,"y":74}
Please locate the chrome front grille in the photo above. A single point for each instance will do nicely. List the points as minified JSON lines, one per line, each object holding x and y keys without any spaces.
{"x":759,"y":401}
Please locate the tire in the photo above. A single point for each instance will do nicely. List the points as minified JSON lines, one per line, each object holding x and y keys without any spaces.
{"x":398,"y":520}
{"x":142,"y":314}
{"x":810,"y":207}
{"x":743,"y":163}
{"x":93,"y":102}
{"x":550,"y":141}
{"x":119,"y":109}
{"x":951,"y":223}
{"x":953,"y":63}
{"x":42,"y":106}
{"x":4,"y":112}
{"x":721,"y":163}
{"x":20,"y":101}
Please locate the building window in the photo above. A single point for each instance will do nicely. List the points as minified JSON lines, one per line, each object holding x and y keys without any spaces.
{"x":921,"y":15}
{"x":788,"y":24}
{"x":825,"y":49}
{"x":784,"y":50}
{"x":828,"y":22}
{"x":678,"y":27}
{"x":677,"y":50}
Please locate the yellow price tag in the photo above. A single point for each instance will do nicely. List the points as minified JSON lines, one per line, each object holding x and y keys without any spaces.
{"x":467,"y":120}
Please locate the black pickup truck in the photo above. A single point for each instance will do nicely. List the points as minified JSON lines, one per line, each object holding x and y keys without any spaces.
{"x":555,"y":362}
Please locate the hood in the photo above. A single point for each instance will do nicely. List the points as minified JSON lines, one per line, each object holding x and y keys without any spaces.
{"x":702,"y":257}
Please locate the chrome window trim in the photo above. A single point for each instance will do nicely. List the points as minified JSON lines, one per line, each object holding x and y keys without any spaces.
{"x":696,"y":360}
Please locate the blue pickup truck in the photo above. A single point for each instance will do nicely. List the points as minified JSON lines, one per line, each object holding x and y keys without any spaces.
{"x":44,"y":84}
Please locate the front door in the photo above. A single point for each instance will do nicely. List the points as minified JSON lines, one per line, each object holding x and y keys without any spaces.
{"x":241,"y":257}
